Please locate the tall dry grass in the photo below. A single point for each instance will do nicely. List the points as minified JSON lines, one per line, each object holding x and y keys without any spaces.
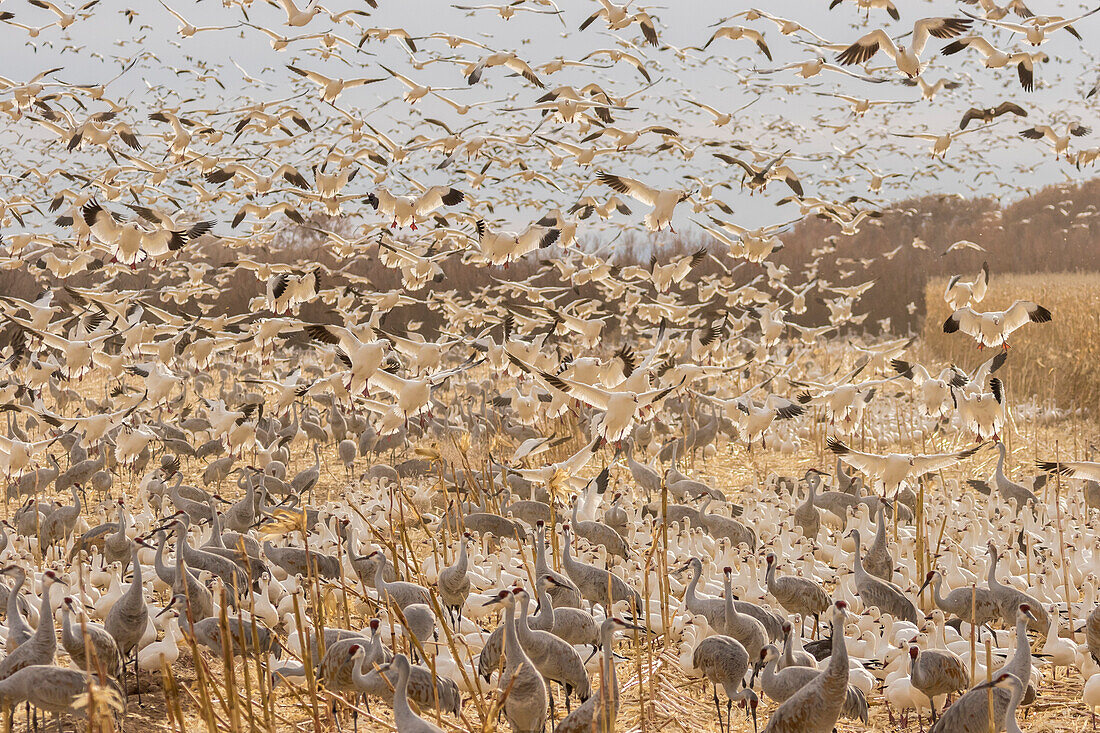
{"x":1058,"y":361}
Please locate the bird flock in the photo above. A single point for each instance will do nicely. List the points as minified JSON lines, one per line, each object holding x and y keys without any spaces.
{"x":354,"y":371}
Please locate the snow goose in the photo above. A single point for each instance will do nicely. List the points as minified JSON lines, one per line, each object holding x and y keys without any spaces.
{"x":663,"y":201}
{"x":993,"y":328}
{"x":894,"y":468}
{"x":906,"y":59}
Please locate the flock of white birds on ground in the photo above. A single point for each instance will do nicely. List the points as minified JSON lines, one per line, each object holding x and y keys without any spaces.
{"x":505,"y":494}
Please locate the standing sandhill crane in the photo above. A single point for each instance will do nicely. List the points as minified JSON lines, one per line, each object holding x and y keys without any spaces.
{"x":878,"y":561}
{"x":886,"y":596}
{"x":1009,"y":490}
{"x":937,"y":672}
{"x":598,"y":533}
{"x":976,"y":606}
{"x":806,"y":515}
{"x":793,"y":653}
{"x":306,"y":479}
{"x":594,"y":583}
{"x":599,"y":712}
{"x":1009,"y":599}
{"x":721,"y":527}
{"x":574,"y":625}
{"x":364,"y":564}
{"x":744,"y":628}
{"x":51,"y":689}
{"x":126,"y":620}
{"x":563,"y":592}
{"x":712,"y":609}
{"x":781,"y":684}
{"x":241,"y":515}
{"x":18,"y":630}
{"x":525,"y":704}
{"x":403,"y":716}
{"x":970,"y":713}
{"x":61,"y":522}
{"x":489,"y":659}
{"x":555,"y":659}
{"x":800,"y":596}
{"x":399,"y":593}
{"x":297,"y":561}
{"x":1092,"y":634}
{"x":41,"y":647}
{"x":79,"y":638}
{"x":724,"y":661}
{"x":425,"y":689}
{"x":454,"y":582}
{"x":817,"y":704}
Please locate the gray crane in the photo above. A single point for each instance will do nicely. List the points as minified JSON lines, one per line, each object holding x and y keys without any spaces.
{"x":1010,"y":491}
{"x":230,"y":572}
{"x":556,"y":659}
{"x":724,"y":661}
{"x":489,"y":659}
{"x":800,"y":596}
{"x":598,"y":713}
{"x":1009,"y":599}
{"x":744,"y":628}
{"x":428,"y":691}
{"x":725,"y":528}
{"x":595,"y":583}
{"x":79,"y":639}
{"x":574,"y":625}
{"x":792,"y":656}
{"x":418,"y":620}
{"x":51,"y":689}
{"x":41,"y":647}
{"x":18,"y":630}
{"x":306,"y":479}
{"x":817,"y":705}
{"x":297,"y":561}
{"x":887,"y":597}
{"x":241,"y":515}
{"x":976,"y":606}
{"x":937,"y":672}
{"x":806,"y":515}
{"x":126,"y":620}
{"x":454,"y":582}
{"x":525,"y":695}
{"x":714,"y":609}
{"x":363,"y":564}
{"x":399,"y":593}
{"x":1092,"y":634}
{"x":970,"y":713}
{"x":61,"y":522}
{"x":878,"y":561}
{"x":405,"y":720}
{"x":598,"y":533}
{"x":563,"y":592}
{"x":781,"y":684}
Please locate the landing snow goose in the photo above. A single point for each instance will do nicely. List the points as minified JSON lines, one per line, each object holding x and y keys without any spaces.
{"x":906,"y":59}
{"x":1035,"y":28}
{"x":331,"y":88}
{"x":507,"y":59}
{"x":1089,"y":470}
{"x":993,"y":328}
{"x":663,"y":201}
{"x":757,"y":178}
{"x":1060,"y":142}
{"x":894,"y":468}
{"x":503,"y":247}
{"x":406,"y":211}
{"x":960,"y":293}
{"x":997,"y":59}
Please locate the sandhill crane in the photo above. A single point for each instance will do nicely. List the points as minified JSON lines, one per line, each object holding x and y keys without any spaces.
{"x":1009,"y":490}
{"x":744,"y":628}
{"x":781,"y":684}
{"x":1009,"y":599}
{"x":59,"y":523}
{"x":454,"y":582}
{"x":403,"y":716}
{"x":52,"y":689}
{"x":882,"y":594}
{"x":599,"y":712}
{"x":970,"y":713}
{"x":555,"y":659}
{"x":296,"y":561}
{"x":817,"y":704}
{"x":574,"y":625}
{"x":126,"y":620}
{"x":563,"y":591}
{"x":489,"y":659}
{"x":79,"y":638}
{"x":526,"y":703}
{"x":18,"y":630}
{"x":598,"y":533}
{"x":793,"y":653}
{"x":796,"y":595}
{"x":596,"y":584}
{"x":399,"y":593}
{"x":724,"y":661}
{"x":976,"y":606}
{"x":41,"y":647}
{"x":937,"y":672}
{"x":878,"y":561}
{"x":806,"y":515}
{"x":425,"y":689}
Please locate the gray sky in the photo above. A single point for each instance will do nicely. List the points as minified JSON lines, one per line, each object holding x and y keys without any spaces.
{"x":790,"y":113}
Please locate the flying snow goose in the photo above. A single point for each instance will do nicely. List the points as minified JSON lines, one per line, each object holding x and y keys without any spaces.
{"x":960,"y":293}
{"x":503,"y":247}
{"x":992,"y":328}
{"x":906,"y":59}
{"x":663,"y":201}
{"x":407,"y":210}
{"x":894,"y":468}
{"x":996,"y":59}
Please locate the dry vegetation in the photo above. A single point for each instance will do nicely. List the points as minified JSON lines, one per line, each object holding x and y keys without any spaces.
{"x":1057,"y":362}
